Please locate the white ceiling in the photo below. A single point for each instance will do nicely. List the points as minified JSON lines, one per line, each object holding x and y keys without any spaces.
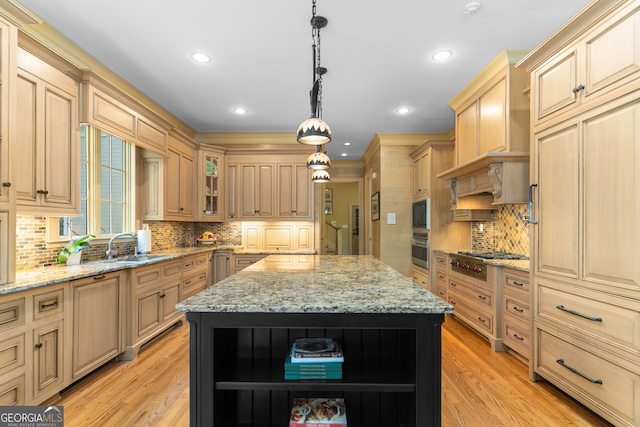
{"x":377,"y":52}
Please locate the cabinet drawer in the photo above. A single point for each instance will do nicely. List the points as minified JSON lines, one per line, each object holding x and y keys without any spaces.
{"x":441,"y":261}
{"x":143,"y":277}
{"x":481,"y":319}
{"x":11,"y":314}
{"x":474,"y":294}
{"x":12,"y":392}
{"x":588,"y":376}
{"x":48,"y":304}
{"x":195,"y":262}
{"x":171,"y":270}
{"x":441,"y":277}
{"x":516,"y":336}
{"x":515,"y":282}
{"x":11,"y":354}
{"x":244,"y":261}
{"x":517,"y":308}
{"x":600,"y":316}
{"x":441,"y":291}
{"x":194,"y":284}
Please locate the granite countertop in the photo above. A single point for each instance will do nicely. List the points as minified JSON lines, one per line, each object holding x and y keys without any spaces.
{"x":316,"y":284}
{"x":44,"y":276}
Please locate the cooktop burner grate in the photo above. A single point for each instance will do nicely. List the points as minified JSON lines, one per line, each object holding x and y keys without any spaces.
{"x":494,"y":255}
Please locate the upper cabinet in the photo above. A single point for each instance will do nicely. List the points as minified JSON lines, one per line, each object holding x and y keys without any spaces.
{"x":47,"y":139}
{"x":492,"y":111}
{"x":210,"y":184}
{"x":491,"y":159}
{"x":422,"y":175}
{"x":167,"y":183}
{"x":277,"y":187}
{"x":595,"y":69}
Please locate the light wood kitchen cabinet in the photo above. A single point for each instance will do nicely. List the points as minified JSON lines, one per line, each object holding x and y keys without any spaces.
{"x":179,"y":180}
{"x":47,"y":139}
{"x":221,"y":265}
{"x":231,"y":190}
{"x":422,"y":175}
{"x":256,"y":190}
{"x":585,"y":239}
{"x":210,"y":200}
{"x":295,"y":191}
{"x":516,"y":311}
{"x":8,"y":74}
{"x":47,"y":342}
{"x":595,"y":69}
{"x":441,"y":275}
{"x":195,"y":269}
{"x":153,"y":292}
{"x":492,"y":112}
{"x":421,"y":277}
{"x":13,"y":352}
{"x":97,"y":325}
{"x":167,"y":186}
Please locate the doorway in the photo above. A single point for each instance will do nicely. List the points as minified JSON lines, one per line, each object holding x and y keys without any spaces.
{"x":340,"y":217}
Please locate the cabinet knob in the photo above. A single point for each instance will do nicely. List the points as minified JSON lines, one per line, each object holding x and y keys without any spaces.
{"x":39,"y":345}
{"x":162,"y":296}
{"x":578,"y":88}
{"x":45,"y":192}
{"x":6,"y":184}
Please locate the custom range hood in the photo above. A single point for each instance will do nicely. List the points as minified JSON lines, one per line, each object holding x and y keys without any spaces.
{"x":490,"y":180}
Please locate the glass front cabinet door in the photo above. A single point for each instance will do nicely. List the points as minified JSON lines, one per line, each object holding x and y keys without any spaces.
{"x":211,"y":171}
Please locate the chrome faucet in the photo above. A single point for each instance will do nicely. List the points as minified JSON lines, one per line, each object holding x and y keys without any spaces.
{"x":112,"y":252}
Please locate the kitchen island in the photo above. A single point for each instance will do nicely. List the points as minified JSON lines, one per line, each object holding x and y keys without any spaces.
{"x":242,"y":329}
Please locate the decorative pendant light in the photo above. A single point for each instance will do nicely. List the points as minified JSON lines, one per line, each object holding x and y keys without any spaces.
{"x":320,"y":176}
{"x":314,"y":130}
{"x":318,"y":160}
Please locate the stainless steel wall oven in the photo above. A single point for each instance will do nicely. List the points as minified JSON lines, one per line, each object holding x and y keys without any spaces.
{"x":420,"y":249}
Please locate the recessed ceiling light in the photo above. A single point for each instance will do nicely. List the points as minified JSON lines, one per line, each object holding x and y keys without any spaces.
{"x":472,"y":8}
{"x":442,"y":56}
{"x":403,"y":110}
{"x":200,"y":57}
{"x":347,"y":143}
{"x":344,"y":154}
{"x":240,"y":110}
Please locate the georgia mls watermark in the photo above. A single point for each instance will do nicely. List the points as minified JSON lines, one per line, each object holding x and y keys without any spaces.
{"x":31,"y":416}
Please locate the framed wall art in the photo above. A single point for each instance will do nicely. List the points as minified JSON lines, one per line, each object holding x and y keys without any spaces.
{"x":375,"y":207}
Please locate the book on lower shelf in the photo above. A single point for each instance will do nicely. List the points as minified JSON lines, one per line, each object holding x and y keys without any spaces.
{"x":318,"y":412}
{"x":316,"y":350}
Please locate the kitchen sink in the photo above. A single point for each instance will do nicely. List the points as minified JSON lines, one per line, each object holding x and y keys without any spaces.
{"x":138,"y":259}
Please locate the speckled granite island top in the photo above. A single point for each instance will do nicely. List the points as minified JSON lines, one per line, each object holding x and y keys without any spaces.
{"x":316,"y":284}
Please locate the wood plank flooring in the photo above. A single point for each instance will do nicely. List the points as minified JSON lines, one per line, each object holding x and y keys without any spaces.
{"x":479,"y":388}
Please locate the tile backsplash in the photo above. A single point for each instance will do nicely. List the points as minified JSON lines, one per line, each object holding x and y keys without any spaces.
{"x":33,"y":250}
{"x":507,"y":232}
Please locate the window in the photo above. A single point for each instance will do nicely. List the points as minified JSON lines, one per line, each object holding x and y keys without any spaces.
{"x":106,"y":187}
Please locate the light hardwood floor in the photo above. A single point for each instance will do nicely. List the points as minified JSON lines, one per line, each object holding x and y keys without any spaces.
{"x":479,"y":388}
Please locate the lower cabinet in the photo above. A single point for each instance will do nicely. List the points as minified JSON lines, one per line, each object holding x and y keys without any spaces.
{"x":221,"y":265}
{"x":441,"y":275}
{"x":194,"y":274}
{"x":516,"y":313}
{"x":48,"y":359}
{"x":97,"y":326}
{"x":421,"y":277}
{"x":242,"y":261}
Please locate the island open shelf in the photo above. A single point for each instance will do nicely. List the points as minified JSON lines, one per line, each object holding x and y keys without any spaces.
{"x":391,"y":373}
{"x":242,"y":328}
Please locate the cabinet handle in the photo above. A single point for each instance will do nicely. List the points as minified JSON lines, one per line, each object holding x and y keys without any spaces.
{"x":575,"y":313}
{"x":45,"y":192}
{"x":44,"y":306}
{"x":39,"y":345}
{"x":6,"y":184}
{"x":528,"y":218}
{"x":482,"y":297}
{"x":516,"y":336}
{"x":578,"y":88}
{"x":99,"y":277}
{"x":256,"y":211}
{"x":162,"y":296}
{"x":575,"y":371}
{"x":518,"y":284}
{"x":482,"y":320}
{"x":519,"y":310}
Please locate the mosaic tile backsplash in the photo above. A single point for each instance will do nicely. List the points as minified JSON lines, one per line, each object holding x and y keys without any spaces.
{"x":32,"y":249}
{"x":507,"y":232}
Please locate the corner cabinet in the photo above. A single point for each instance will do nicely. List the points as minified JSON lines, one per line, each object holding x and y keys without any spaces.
{"x":585,"y":237}
{"x":47,"y":139}
{"x":210,"y":206}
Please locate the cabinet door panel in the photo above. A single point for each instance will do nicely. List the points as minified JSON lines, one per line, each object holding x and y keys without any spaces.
{"x":555,"y":83}
{"x":265,"y":188}
{"x":47,"y":364}
{"x":149,"y":316}
{"x":172,"y":184}
{"x":60,"y":110}
{"x":466,"y":137}
{"x":558,"y":208}
{"x":611,"y":201}
{"x":492,"y":109}
{"x":169,"y":300}
{"x":186,"y":185}
{"x":25,"y":151}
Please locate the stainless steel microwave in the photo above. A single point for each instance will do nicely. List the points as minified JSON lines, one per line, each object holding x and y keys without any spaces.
{"x":420,"y":217}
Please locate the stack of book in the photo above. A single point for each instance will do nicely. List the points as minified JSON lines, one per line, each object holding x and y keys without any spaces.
{"x":314,"y":358}
{"x":318,"y":412}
